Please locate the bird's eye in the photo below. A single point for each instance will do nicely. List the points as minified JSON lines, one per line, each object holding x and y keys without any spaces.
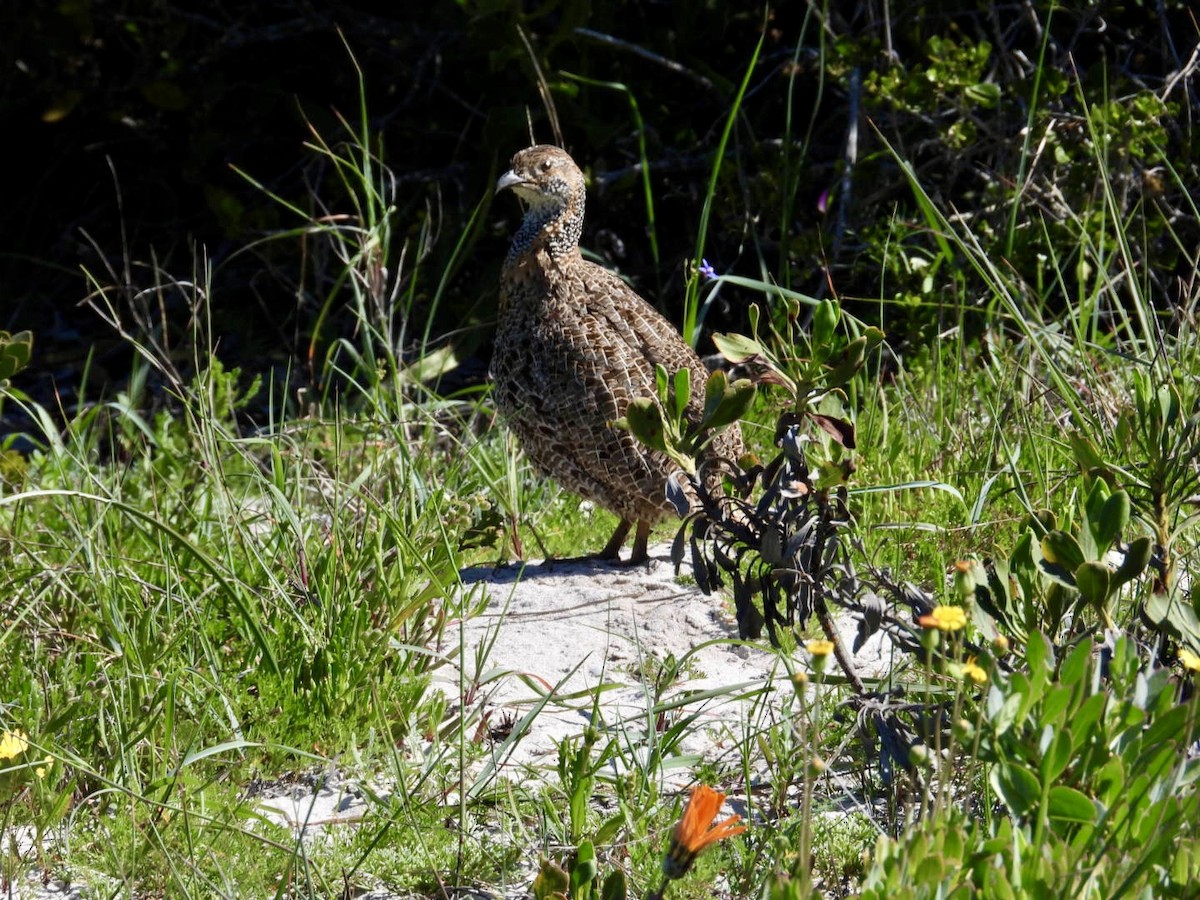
{"x":546,"y":165}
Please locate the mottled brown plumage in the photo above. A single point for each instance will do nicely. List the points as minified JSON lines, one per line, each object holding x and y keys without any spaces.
{"x":574,"y":345}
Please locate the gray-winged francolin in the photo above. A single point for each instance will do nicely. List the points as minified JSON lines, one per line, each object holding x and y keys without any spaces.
{"x":574,"y":345}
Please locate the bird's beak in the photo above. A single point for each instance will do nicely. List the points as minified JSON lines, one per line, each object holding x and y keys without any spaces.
{"x":507,"y":180}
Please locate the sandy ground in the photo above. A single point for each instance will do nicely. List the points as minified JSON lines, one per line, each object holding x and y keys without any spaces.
{"x":573,"y":629}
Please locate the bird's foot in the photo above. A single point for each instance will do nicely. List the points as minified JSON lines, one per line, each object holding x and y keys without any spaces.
{"x":639,"y":553}
{"x":611,"y":553}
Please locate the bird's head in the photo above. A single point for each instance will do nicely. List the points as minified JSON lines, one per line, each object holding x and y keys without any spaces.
{"x":542,"y":176}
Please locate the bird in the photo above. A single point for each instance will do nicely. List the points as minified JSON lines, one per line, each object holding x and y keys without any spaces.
{"x":574,"y":345}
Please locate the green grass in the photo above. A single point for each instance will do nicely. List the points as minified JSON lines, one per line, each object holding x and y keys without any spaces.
{"x":210,"y":582}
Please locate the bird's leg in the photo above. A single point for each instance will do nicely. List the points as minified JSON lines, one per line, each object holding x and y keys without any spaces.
{"x":612,"y":550}
{"x":640,"y":540}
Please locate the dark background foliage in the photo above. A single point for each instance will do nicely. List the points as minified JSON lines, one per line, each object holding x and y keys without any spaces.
{"x":124,"y":119}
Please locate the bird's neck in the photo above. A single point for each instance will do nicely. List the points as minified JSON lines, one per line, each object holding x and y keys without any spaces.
{"x":553,"y":227}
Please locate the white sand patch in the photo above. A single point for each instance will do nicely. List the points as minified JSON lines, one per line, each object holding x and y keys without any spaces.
{"x":569,"y":629}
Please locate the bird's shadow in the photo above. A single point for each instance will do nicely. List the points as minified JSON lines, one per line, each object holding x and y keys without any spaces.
{"x":507,"y":573}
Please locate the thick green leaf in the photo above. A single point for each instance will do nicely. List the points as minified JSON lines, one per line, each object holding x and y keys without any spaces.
{"x":737,"y":348}
{"x":1075,"y":666}
{"x":1017,"y":786}
{"x":1114,"y":517}
{"x":1185,"y":867}
{"x":1069,"y":805}
{"x":874,"y":337}
{"x":743,"y":393}
{"x":1058,"y":555}
{"x":931,"y":869}
{"x":1169,"y":610}
{"x":1042,"y":521}
{"x":851,"y":361}
{"x":683,"y":391}
{"x":1039,"y":656}
{"x":1137,"y":558}
{"x":579,"y":804}
{"x":1057,"y":755}
{"x":1093,"y":508}
{"x":606,"y":832}
{"x":643,"y":419}
{"x":1085,"y":719}
{"x":1168,"y":405}
{"x":1054,"y":705}
{"x":725,"y":403}
{"x":661,"y":379}
{"x":1109,"y":782}
{"x":1085,"y":452}
{"x":1025,"y":577}
{"x":824,"y":321}
{"x":996,"y":881}
{"x":1061,"y":549}
{"x":984,"y":93}
{"x":584,"y":868}
{"x":754,"y":313}
{"x":714,"y":392}
{"x":1057,"y":599}
{"x":1092,"y":580}
{"x":1169,"y":727}
{"x":1006,"y":714}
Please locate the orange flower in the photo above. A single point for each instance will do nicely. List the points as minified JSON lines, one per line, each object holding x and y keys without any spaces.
{"x":696,"y":830}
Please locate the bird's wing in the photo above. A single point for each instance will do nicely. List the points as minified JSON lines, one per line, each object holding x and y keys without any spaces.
{"x":651,"y":340}
{"x":646,"y":338}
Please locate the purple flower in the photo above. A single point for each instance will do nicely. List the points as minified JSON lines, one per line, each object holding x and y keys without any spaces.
{"x":823,"y":202}
{"x":707,"y":272}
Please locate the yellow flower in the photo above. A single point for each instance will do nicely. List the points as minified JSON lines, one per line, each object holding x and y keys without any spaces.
{"x":1190,"y":660}
{"x":47,"y":763}
{"x":13,"y":744}
{"x":696,"y":830}
{"x":973,"y":671}
{"x":945,"y":618}
{"x":819,"y":647}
